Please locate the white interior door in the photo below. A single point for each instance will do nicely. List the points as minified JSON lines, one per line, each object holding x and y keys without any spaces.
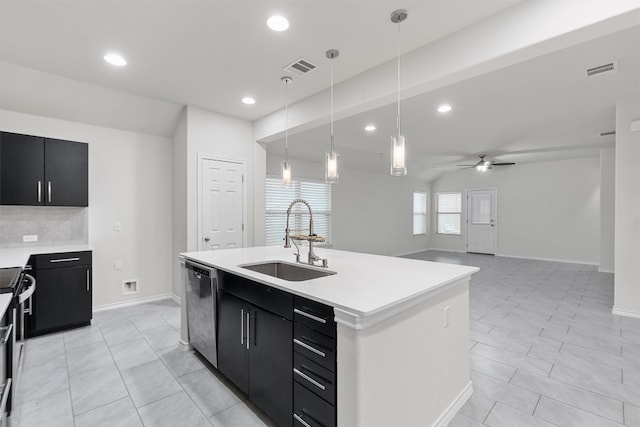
{"x":481,"y":221}
{"x":221,"y":204}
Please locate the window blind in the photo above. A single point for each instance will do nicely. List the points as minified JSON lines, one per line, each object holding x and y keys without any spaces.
{"x":449,"y":210}
{"x":419,"y":212}
{"x":278,"y":198}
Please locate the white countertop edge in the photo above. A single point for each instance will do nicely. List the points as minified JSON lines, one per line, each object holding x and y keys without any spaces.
{"x":364,"y":321}
{"x":19,"y":256}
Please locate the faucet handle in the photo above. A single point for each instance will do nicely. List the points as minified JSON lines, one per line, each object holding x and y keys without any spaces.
{"x":325,"y":263}
{"x":297,"y":257}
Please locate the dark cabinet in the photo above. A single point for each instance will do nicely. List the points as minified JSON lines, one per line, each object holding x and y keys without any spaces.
{"x":255,"y":349}
{"x":36,"y":171}
{"x":63,"y":294}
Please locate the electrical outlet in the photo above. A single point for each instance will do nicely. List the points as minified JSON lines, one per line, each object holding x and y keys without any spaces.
{"x":117,"y":265}
{"x":30,"y":238}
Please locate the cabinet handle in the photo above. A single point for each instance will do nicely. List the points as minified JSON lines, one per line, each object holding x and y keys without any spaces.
{"x":310,"y":316}
{"x":308,"y":347}
{"x":308,"y":378}
{"x":248,"y":329}
{"x":39,"y":191}
{"x":241,"y":326}
{"x":5,"y":395}
{"x":87,"y":280}
{"x":49,"y":191}
{"x":64,"y":260}
{"x":7,"y":333}
{"x":299,"y":419}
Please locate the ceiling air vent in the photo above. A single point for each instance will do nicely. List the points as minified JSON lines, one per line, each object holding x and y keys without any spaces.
{"x":601,"y":70}
{"x":299,"y":67}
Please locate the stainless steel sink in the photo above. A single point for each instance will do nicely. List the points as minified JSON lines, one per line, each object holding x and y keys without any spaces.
{"x":287,"y":271}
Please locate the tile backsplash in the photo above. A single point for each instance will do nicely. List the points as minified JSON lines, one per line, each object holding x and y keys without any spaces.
{"x":53,"y":225}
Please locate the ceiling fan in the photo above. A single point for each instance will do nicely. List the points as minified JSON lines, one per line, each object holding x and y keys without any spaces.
{"x":484,"y":165}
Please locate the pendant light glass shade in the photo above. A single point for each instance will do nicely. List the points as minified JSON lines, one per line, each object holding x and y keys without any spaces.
{"x":331,"y":158}
{"x":398,"y":166}
{"x":398,"y":142}
{"x":331,"y":168}
{"x":286,"y":165}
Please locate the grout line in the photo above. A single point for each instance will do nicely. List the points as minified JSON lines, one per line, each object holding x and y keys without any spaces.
{"x":490,"y":410}
{"x":536,"y":407}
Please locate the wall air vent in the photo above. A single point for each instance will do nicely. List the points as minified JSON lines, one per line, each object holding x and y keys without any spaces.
{"x":300,"y":67}
{"x":603,"y":69}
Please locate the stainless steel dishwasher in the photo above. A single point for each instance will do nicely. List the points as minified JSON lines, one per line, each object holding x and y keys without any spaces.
{"x":202,"y":291}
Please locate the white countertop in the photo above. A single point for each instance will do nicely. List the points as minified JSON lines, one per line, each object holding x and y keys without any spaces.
{"x":18,"y":257}
{"x":365,"y":289}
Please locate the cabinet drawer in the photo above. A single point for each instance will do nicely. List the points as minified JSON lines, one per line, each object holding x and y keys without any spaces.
{"x":271,"y":299}
{"x":314,"y":315}
{"x":310,"y":410}
{"x":315,"y":346}
{"x":62,"y":260}
{"x":314,"y":377}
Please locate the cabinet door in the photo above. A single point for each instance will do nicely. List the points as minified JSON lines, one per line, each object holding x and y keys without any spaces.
{"x":21,"y":169}
{"x":271,"y":365}
{"x":233,"y":354}
{"x":66,"y":170}
{"x":62,"y":298}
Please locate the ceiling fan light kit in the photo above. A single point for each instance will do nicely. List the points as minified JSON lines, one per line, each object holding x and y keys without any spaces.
{"x":484,"y":165}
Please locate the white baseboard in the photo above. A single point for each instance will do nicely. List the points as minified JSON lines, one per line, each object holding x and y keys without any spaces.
{"x":625,"y":313}
{"x":567,"y":261}
{"x":176,"y":298}
{"x":457,"y":403}
{"x":185,"y":346}
{"x":605,"y":270}
{"x":446,"y":250}
{"x":132,"y":302}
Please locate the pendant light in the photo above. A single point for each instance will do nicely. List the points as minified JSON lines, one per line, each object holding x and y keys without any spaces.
{"x":398,"y":148}
{"x":331,"y":161}
{"x":286,"y":165}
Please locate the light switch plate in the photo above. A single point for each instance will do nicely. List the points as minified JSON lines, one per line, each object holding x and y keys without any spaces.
{"x":30,"y":238}
{"x":117,"y":264}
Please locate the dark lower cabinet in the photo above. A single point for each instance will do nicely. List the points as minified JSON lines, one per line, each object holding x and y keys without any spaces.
{"x":63,"y":294}
{"x":255,"y":352}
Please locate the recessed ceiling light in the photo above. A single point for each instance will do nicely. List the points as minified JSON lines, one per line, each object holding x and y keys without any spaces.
{"x":444,"y":108}
{"x":115,"y":59}
{"x":248,"y":100}
{"x":278,"y":23}
{"x":370,"y":128}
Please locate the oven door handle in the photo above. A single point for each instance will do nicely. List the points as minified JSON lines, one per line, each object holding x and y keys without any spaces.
{"x":31,"y":288}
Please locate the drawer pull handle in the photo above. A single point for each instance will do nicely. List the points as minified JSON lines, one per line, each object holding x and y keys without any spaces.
{"x":308,"y":347}
{"x":5,"y":395}
{"x":64,"y":260}
{"x":310,"y":316}
{"x":7,"y":333}
{"x":308,"y":378}
{"x":299,"y":419}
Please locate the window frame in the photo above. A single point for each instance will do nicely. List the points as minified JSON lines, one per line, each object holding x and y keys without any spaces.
{"x":438,"y":213}
{"x":423,"y":213}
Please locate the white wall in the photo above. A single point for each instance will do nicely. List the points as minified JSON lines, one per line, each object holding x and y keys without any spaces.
{"x":607,"y":209}
{"x":546,"y":210}
{"x":130,"y":182}
{"x":627,"y":211}
{"x":370,"y":212}
{"x":179,"y":190}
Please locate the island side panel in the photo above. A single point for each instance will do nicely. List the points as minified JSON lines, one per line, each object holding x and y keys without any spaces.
{"x":408,"y":370}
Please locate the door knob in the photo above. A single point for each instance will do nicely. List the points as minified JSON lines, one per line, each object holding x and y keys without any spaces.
{"x":206,"y":239}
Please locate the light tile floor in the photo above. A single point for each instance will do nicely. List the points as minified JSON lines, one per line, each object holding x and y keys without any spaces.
{"x":545,"y":351}
{"x":126,"y":370}
{"x":545,"y":348}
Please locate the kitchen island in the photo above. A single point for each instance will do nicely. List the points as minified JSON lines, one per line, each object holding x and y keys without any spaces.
{"x":402,"y":330}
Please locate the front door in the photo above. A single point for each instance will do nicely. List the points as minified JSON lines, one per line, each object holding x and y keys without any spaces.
{"x":481,"y":221}
{"x":221,"y":204}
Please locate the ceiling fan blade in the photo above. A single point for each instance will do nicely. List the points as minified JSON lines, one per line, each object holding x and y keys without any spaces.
{"x":466,"y":167}
{"x":471,"y":166}
{"x":503,"y":164}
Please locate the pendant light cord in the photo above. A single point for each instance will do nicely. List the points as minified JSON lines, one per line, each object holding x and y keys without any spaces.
{"x":286,"y":122}
{"x":398,"y":54}
{"x":332,"y":148}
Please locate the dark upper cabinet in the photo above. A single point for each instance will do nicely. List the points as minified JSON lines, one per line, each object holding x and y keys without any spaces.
{"x":21,"y":169}
{"x":66,"y":171}
{"x":36,"y":171}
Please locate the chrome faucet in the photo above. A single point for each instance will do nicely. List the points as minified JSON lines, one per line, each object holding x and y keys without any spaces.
{"x":287,"y":238}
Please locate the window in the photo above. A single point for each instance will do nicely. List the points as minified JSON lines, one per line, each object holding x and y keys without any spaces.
{"x":449,"y":211}
{"x":278,"y":197}
{"x":419,"y":212}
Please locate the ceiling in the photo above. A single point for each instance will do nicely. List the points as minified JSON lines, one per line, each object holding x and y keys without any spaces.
{"x":210,"y":53}
{"x":542,"y":109}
